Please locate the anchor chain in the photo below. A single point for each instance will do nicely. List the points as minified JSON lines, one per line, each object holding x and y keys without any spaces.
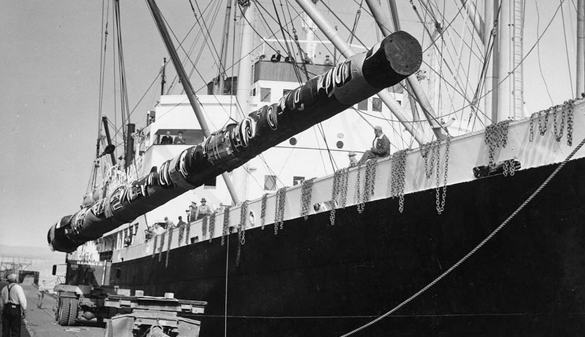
{"x":340,"y":181}
{"x":431,"y":148}
{"x":154,"y":246}
{"x":543,"y":123}
{"x":181,"y":234}
{"x":204,"y":227}
{"x":357,"y":188}
{"x":558,"y":131}
{"x":242,"y":230}
{"x":334,"y":192}
{"x":211,"y":225}
{"x":263,"y":210}
{"x":279,"y":212}
{"x":306,"y":195}
{"x":570,"y":106}
{"x":567,"y":114}
{"x":369,"y":182}
{"x":169,"y":247}
{"x":440,"y":200}
{"x":226,"y":224}
{"x":343,"y":187}
{"x":509,"y":168}
{"x":160,"y":247}
{"x":243,"y":220}
{"x":398,"y":177}
{"x":496,"y":136}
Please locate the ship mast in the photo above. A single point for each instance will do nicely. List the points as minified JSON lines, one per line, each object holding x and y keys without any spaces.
{"x":187,"y":85}
{"x":224,"y":48}
{"x":508,"y":63}
{"x":413,"y":83}
{"x":489,"y":81}
{"x":247,"y":10}
{"x":580,"y":85}
{"x":346,"y":51}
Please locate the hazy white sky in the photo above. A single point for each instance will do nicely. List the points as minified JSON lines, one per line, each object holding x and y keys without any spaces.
{"x":49,"y":84}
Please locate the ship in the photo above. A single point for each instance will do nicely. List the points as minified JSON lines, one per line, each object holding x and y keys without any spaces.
{"x":458,"y":233}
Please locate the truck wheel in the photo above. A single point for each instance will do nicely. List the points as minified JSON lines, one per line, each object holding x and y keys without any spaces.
{"x":73,"y":311}
{"x":63,"y":311}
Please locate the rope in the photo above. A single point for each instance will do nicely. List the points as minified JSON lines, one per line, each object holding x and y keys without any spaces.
{"x":227,"y":255}
{"x":479,"y":246}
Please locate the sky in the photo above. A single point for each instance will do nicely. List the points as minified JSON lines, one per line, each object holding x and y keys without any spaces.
{"x":49,"y":94}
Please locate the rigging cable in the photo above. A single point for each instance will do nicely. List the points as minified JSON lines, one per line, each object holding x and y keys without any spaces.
{"x":486,"y":63}
{"x":122,"y":70}
{"x":194,"y":43}
{"x":538,"y":54}
{"x":103,"y":42}
{"x":216,"y":57}
{"x":567,"y":48}
{"x":358,"y":13}
{"x":302,"y":53}
{"x":232,"y":69}
{"x":476,"y":248}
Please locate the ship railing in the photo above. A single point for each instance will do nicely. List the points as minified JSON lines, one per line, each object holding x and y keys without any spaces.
{"x":525,"y":144}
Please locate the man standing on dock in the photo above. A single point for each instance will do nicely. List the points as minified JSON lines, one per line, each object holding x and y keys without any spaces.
{"x":12,"y":307}
{"x":42,"y":289}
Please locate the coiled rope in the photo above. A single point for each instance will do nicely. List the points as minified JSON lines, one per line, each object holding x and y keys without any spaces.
{"x":479,"y":246}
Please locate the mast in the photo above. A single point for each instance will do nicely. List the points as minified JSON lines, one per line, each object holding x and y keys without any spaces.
{"x":245,"y":70}
{"x":224,"y":48}
{"x":244,"y":83}
{"x":186,"y":85}
{"x":510,"y":92}
{"x":163,"y":77}
{"x":517,"y":65}
{"x":488,"y":52}
{"x":502,"y":64}
{"x":346,"y":51}
{"x":309,"y":28}
{"x":580,"y":85}
{"x":396,"y":22}
{"x":478,"y":24}
{"x":384,"y":25}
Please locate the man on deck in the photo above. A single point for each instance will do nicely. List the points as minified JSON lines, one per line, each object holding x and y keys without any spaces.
{"x":380,"y":146}
{"x":204,"y":209}
{"x":167,"y":139}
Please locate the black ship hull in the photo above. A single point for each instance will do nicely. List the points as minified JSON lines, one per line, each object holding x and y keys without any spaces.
{"x":315,"y":279}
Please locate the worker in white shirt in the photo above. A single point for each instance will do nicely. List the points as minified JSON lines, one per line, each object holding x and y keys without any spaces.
{"x":42,"y":290}
{"x":12,"y":307}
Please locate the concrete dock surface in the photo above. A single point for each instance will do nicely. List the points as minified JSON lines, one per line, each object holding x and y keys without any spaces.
{"x":40,"y":322}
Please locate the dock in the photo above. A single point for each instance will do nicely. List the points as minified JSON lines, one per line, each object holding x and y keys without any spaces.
{"x":40,"y":322}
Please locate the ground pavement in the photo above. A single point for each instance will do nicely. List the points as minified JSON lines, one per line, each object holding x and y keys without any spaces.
{"x":41,"y":322}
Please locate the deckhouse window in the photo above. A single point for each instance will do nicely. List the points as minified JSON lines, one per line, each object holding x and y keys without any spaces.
{"x":265,"y":94}
{"x":363,"y":105}
{"x":269,"y":183}
{"x":376,"y":104}
{"x":298,"y":180}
